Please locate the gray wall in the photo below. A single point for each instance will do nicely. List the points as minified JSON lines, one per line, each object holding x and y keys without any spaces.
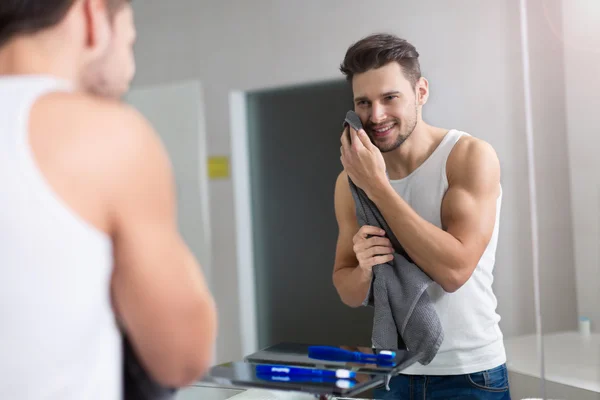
{"x":471,"y":55}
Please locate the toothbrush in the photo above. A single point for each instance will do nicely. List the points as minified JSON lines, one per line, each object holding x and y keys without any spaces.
{"x":297,"y":371}
{"x":330,"y":353}
{"x":340,"y":383}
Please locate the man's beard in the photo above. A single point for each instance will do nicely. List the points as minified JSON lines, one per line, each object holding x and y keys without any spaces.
{"x":401,"y":137}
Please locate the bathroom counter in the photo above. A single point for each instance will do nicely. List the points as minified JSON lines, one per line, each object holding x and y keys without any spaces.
{"x":202,"y":392}
{"x":570,"y":358}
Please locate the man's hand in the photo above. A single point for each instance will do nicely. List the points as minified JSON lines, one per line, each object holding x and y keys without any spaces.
{"x":374,"y":250}
{"x":362,"y":160}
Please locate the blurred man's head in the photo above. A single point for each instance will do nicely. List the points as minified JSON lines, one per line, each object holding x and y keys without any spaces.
{"x":90,"y":41}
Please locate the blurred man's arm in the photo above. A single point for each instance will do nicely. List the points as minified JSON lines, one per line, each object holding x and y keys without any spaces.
{"x":159,"y":292}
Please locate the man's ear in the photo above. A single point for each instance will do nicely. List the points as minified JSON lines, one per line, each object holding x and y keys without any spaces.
{"x":422,"y":91}
{"x":98,"y":29}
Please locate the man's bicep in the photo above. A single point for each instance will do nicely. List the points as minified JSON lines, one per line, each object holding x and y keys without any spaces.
{"x":469,"y":206}
{"x":145,"y":236}
{"x":468,"y":217}
{"x":158,"y":289}
{"x":145,"y":189}
{"x":152,"y":262}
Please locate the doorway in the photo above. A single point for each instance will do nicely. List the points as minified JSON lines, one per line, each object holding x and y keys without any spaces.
{"x":293,"y":141}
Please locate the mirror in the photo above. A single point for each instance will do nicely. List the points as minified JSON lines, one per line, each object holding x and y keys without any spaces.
{"x":274,"y":105}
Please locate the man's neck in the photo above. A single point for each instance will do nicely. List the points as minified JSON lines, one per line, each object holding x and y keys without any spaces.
{"x":414,"y":151}
{"x":28,"y":56}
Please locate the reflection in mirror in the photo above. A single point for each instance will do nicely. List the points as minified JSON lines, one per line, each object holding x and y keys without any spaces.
{"x":297,"y":237}
{"x":273,"y":265}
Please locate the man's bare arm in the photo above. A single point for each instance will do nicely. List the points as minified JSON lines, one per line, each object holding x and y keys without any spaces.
{"x":450,"y":255}
{"x":351,"y":277}
{"x":161,"y":296}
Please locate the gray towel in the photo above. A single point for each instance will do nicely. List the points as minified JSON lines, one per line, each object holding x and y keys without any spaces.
{"x":404,"y":315}
{"x":138,"y":384}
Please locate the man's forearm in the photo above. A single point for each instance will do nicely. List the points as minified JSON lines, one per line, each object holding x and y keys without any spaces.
{"x":352,"y":285}
{"x":435,"y":251}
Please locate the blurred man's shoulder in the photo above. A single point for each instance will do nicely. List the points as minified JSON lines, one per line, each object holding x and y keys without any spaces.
{"x":91,"y":132}
{"x":80,"y":110}
{"x":92,"y":122}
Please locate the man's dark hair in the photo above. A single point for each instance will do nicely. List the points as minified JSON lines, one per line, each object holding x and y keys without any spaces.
{"x":380,"y":49}
{"x":25,"y":17}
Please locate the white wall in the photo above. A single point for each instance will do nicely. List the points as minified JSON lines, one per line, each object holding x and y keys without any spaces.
{"x":557,"y":273}
{"x":471,"y":55}
{"x":581,"y":21}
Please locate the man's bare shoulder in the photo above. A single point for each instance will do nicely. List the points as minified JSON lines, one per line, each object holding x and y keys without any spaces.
{"x":100,"y":130}
{"x":341,"y":180}
{"x":89,"y":116}
{"x":94,"y":151}
{"x":471,"y":145}
{"x":472,"y":161}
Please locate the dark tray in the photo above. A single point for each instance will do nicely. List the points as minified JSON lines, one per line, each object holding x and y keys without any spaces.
{"x":243,"y":375}
{"x":297,"y":354}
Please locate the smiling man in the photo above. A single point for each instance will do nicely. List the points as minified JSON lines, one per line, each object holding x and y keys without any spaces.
{"x":439,"y":191}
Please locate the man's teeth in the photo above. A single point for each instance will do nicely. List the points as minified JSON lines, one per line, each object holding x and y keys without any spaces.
{"x":384,"y":129}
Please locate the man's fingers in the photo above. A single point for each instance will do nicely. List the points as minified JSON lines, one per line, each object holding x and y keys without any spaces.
{"x":356,"y":140}
{"x":380,"y":251}
{"x":367,"y":230}
{"x":345,"y":139}
{"x":364,"y":138}
{"x":373,"y":261}
{"x":382,"y":259}
{"x":378,"y":241}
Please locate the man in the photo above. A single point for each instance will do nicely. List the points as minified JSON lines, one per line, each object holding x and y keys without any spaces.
{"x":441,"y":197}
{"x":89,"y":246}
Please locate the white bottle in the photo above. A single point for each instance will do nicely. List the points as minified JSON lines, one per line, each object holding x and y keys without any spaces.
{"x":584,"y":326}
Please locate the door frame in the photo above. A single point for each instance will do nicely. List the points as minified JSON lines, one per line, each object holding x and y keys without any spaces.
{"x":240,"y":167}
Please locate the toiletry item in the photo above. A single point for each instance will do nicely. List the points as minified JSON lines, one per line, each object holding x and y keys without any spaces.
{"x":584,"y":326}
{"x":265,"y":369}
{"x":330,"y":353}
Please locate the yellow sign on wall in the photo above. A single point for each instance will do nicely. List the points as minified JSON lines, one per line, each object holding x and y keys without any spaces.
{"x":218,"y":167}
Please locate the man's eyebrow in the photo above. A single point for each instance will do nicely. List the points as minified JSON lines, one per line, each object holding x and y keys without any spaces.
{"x":390,"y":93}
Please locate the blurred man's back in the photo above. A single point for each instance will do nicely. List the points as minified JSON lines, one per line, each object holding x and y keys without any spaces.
{"x":57,"y":319}
{"x":89,"y":248}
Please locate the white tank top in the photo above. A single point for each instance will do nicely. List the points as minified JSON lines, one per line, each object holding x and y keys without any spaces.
{"x":473,"y":341}
{"x":59,"y":339}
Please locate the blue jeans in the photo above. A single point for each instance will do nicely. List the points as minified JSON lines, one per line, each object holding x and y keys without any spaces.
{"x":485,"y":385}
